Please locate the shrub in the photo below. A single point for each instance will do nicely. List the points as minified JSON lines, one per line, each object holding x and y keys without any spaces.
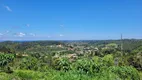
{"x":6,"y":58}
{"x":61,"y":64}
{"x":29,"y":75}
{"x":108,"y":60}
{"x":125,"y":72}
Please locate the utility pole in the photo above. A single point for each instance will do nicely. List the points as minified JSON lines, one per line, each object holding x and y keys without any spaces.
{"x":119,"y":57}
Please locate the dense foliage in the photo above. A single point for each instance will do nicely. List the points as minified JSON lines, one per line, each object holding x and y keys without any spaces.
{"x":71,"y":60}
{"x":5,"y":58}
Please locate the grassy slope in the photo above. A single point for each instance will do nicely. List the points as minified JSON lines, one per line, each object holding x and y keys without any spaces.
{"x":54,"y":75}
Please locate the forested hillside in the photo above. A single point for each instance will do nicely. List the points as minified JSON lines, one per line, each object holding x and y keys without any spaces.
{"x":71,"y":60}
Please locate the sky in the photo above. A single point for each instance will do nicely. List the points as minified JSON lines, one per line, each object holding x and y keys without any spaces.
{"x":70,"y":19}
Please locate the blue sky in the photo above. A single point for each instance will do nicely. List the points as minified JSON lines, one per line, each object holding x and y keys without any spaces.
{"x":70,"y":19}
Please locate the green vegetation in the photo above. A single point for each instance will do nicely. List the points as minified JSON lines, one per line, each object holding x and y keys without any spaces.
{"x":5,"y":58}
{"x":71,"y":60}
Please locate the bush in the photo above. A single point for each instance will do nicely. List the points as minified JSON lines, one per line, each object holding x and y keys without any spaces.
{"x":29,"y":75}
{"x":108,"y":60}
{"x":61,"y":64}
{"x":6,"y":58}
{"x":84,"y":66}
{"x":4,"y":76}
{"x":125,"y":72}
{"x":29,"y":63}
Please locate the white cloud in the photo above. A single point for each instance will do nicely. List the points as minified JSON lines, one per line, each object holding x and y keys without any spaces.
{"x":32,"y":34}
{"x":61,"y":25}
{"x":28,"y":25}
{"x":7,"y":31}
{"x":8,"y":8}
{"x":20,"y":34}
{"x":61,"y":35}
{"x":1,"y":34}
{"x":48,"y":36}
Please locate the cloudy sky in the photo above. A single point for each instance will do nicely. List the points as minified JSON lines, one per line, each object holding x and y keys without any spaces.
{"x":70,"y":19}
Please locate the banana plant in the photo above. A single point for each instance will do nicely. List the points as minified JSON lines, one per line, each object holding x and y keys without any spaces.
{"x":6,"y":58}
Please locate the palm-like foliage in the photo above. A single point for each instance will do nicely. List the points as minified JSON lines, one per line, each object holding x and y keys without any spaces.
{"x":6,"y":58}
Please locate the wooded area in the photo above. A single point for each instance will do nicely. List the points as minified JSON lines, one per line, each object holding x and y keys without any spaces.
{"x":71,"y":60}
